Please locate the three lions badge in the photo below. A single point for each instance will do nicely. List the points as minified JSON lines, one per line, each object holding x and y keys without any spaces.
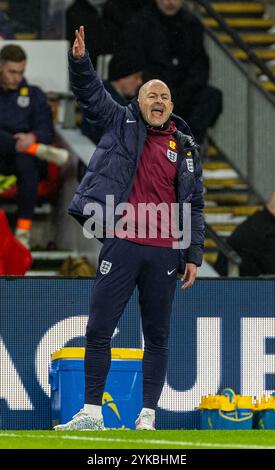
{"x":105,"y":267}
{"x":23,"y":99}
{"x":172,"y":155}
{"x":190,"y":163}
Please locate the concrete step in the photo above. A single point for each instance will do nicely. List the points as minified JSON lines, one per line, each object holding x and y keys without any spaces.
{"x":11,"y":208}
{"x":271,"y":67}
{"x":210,"y":257}
{"x":220,"y":174}
{"x":212,"y":151}
{"x":269,"y":86}
{"x":209,"y":243}
{"x":26,"y":36}
{"x":242,"y":23}
{"x":265,"y":54}
{"x":223,"y":230}
{"x":249,"y":38}
{"x":224,"y":219}
{"x":220,"y":183}
{"x":227,"y":198}
{"x":216,"y":166}
{"x":234,"y":210}
{"x":50,"y":260}
{"x":238,"y":7}
{"x":52,"y":255}
{"x":42,"y":273}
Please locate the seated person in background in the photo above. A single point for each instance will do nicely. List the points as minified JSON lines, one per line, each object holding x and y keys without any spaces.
{"x":254,"y":241}
{"x":169,"y":40}
{"x":26,"y":129}
{"x":125,"y":79}
{"x":6,"y":28}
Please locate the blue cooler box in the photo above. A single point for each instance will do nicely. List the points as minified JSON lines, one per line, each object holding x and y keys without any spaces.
{"x":217,"y":419}
{"x":122,"y":398}
{"x":265,"y":419}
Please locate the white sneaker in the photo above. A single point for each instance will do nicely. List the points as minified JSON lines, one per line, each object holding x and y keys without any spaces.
{"x":82,"y":422}
{"x":52,"y":154}
{"x":24,"y":237}
{"x":146,"y":421}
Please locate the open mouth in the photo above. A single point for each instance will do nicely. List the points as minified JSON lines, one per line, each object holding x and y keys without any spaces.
{"x":157,"y":112}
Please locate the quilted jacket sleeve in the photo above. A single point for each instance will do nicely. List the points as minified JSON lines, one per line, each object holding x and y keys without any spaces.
{"x":95,"y":102}
{"x":195,"y":250}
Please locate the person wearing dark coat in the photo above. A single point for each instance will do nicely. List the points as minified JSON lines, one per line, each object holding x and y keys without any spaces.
{"x":254,"y":241}
{"x":26,"y":130}
{"x":82,"y":12}
{"x":116,"y":14}
{"x":169,"y":40}
{"x":146,"y":155}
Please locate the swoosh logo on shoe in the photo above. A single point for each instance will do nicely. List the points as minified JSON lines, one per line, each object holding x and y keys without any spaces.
{"x":129,"y":121}
{"x":108,"y":401}
{"x":170,"y":272}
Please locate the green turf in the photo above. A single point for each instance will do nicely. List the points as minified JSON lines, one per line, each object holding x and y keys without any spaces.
{"x":113,"y":439}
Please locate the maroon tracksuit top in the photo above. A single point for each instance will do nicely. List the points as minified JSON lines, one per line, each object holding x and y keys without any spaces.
{"x":155,"y":183}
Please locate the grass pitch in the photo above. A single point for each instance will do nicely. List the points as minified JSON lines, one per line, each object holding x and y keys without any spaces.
{"x":117,"y":439}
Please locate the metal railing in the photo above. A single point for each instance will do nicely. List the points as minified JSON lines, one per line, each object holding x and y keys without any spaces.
{"x":237,"y":39}
{"x":245,"y":131}
{"x":233,"y":259}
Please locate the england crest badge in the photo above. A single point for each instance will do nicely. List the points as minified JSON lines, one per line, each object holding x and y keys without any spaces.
{"x":23,"y":101}
{"x":172,"y":155}
{"x":105,"y":267}
{"x":190,"y":164}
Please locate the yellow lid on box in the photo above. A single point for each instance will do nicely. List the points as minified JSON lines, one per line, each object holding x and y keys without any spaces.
{"x":78,"y":353}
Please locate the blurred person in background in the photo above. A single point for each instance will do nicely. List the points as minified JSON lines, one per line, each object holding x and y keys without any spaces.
{"x":125,"y":79}
{"x":26,"y":129}
{"x":169,"y":40}
{"x":83,"y":12}
{"x":6,"y":28}
{"x":116,"y":15}
{"x":254,"y":241}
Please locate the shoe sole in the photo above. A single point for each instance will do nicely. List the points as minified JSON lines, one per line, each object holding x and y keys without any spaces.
{"x":145,"y":428}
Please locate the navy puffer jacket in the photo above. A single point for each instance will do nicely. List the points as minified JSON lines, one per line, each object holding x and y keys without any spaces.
{"x":113,"y":166}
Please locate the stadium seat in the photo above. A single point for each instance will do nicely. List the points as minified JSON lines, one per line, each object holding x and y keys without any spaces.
{"x":47,"y":188}
{"x":15,"y":259}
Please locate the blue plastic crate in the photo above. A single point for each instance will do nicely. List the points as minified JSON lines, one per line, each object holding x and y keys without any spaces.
{"x":265,"y":419}
{"x":122,"y":399}
{"x":217,"y":419}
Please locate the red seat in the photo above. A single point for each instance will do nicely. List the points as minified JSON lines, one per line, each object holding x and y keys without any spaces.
{"x":15,"y":259}
{"x":47,"y":189}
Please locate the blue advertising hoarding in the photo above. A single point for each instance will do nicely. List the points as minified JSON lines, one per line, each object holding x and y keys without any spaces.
{"x":222,"y":335}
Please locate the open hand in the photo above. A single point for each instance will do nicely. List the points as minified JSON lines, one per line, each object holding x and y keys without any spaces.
{"x":79,"y":43}
{"x":190,"y":274}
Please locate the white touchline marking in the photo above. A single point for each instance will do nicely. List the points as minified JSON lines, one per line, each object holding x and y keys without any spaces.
{"x":140,"y":441}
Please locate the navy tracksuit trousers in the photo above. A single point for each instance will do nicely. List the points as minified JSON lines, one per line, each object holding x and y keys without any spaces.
{"x":154,"y":271}
{"x":28,"y":170}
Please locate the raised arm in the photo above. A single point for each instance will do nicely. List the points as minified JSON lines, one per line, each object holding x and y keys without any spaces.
{"x":93,"y":99}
